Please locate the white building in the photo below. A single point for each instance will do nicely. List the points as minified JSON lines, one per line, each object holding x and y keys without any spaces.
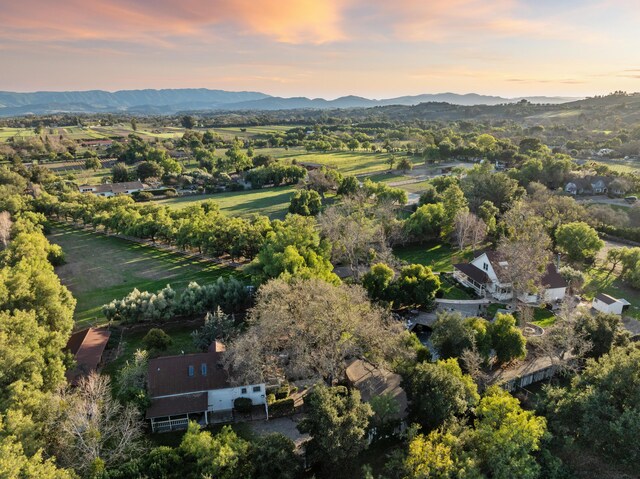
{"x":113,"y":189}
{"x":608,"y":304}
{"x":195,"y":387}
{"x":487,"y":275}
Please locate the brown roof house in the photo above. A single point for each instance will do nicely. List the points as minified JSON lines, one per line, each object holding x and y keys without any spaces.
{"x":374,"y":381}
{"x":194,"y":387}
{"x":487,"y":275}
{"x":87,"y":347}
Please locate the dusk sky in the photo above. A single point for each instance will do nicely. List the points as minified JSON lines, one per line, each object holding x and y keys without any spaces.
{"x":328,"y":48}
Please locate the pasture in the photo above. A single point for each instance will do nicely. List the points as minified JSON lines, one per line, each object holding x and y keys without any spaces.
{"x":272,"y":202}
{"x":100,"y":268}
{"x":347,"y":162}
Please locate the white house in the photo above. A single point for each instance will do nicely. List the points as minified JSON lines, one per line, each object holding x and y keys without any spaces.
{"x":113,"y":189}
{"x":487,"y":275}
{"x":608,"y":304}
{"x":195,"y":387}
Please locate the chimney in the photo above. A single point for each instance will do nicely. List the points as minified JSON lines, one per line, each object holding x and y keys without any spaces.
{"x":558,"y":262}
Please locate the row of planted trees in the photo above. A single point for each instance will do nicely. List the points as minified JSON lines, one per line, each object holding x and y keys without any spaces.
{"x":199,"y":227}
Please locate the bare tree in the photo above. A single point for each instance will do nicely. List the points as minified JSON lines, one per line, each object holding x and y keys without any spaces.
{"x":307,"y":329}
{"x":524,"y":252}
{"x":5,"y":228}
{"x":357,"y":233}
{"x":95,"y":428}
{"x":469,"y":230}
{"x":472,"y":361}
{"x":564,"y":343}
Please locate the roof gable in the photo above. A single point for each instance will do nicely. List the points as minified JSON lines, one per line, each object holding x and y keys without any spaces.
{"x":187,"y":373}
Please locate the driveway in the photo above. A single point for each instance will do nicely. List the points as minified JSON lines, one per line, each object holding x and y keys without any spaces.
{"x":284,"y":425}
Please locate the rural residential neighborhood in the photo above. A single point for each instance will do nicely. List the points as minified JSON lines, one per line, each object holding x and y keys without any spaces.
{"x":319,"y":240}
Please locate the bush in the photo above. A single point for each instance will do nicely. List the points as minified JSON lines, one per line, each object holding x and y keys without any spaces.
{"x":283,"y":407}
{"x":56,"y":255}
{"x":157,"y":339}
{"x":170,"y":193}
{"x":271,"y":398}
{"x":282,"y":392}
{"x":144,"y":196}
{"x":142,"y":306}
{"x":243,"y":405}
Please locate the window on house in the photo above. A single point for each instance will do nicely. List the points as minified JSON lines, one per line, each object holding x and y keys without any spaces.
{"x":485,"y":267}
{"x":256,"y":389}
{"x":243,"y":390}
{"x":203,"y":369}
{"x":191,"y":371}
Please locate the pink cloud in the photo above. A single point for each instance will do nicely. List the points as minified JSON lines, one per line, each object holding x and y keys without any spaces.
{"x":288,"y":21}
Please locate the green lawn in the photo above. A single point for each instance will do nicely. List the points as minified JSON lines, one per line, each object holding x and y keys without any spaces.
{"x":452,"y":290}
{"x":438,"y":256}
{"x":493,"y":308}
{"x":543,"y":317}
{"x":418,"y":187}
{"x":388,"y":177}
{"x":599,"y":280}
{"x":100,"y":269}
{"x":347,"y":162}
{"x":272,"y":202}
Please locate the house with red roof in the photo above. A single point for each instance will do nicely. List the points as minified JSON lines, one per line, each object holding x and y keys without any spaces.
{"x":196,"y":387}
{"x":86,"y":347}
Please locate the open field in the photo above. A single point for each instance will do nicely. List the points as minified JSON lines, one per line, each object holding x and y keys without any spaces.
{"x":389,"y":177}
{"x":272,"y":202}
{"x":101,"y":268}
{"x":622,"y":165}
{"x":347,"y":162}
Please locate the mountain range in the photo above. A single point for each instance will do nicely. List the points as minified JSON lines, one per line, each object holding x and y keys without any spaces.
{"x":171,"y":101}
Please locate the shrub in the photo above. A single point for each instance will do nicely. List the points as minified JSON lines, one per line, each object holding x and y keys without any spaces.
{"x":283,"y":407}
{"x":243,"y":405}
{"x":142,"y":306}
{"x":144,"y":196}
{"x":271,"y":398}
{"x":56,"y":255}
{"x":282,"y":392}
{"x":157,"y":339}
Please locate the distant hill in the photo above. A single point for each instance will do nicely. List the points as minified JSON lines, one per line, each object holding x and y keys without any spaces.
{"x":172,"y":101}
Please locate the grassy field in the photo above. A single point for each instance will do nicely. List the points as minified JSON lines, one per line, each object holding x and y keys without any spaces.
{"x":388,"y":177}
{"x":100,"y":269}
{"x":347,"y":162}
{"x":272,"y":202}
{"x":439,"y":257}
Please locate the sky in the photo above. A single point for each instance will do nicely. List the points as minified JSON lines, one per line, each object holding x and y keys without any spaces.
{"x":323,"y":48}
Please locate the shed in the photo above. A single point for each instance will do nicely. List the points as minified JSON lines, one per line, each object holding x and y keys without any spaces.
{"x":608,"y":304}
{"x":87,"y":347}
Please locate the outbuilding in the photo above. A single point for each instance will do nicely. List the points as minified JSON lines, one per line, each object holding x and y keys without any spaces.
{"x":610,"y":305}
